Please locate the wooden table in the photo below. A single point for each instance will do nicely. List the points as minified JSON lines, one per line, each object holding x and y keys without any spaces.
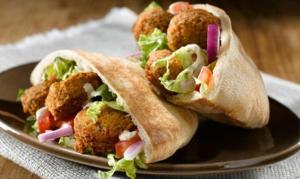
{"x":269,"y":30}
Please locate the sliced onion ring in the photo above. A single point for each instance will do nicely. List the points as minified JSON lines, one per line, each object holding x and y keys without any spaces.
{"x":133,"y":150}
{"x":213,"y":41}
{"x":65,"y":130}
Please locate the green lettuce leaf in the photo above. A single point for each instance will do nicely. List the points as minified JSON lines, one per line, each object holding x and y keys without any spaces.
{"x":122,"y":165}
{"x":184,"y":82}
{"x":67,"y":142}
{"x":60,"y":69}
{"x":139,"y":162}
{"x":96,"y":107}
{"x":104,"y":92}
{"x":152,"y":5}
{"x":20,"y":92}
{"x":149,"y":43}
{"x":30,"y":126}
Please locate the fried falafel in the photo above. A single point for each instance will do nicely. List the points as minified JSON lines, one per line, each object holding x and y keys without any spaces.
{"x":35,"y":96}
{"x":100,"y":137}
{"x":190,"y":27}
{"x":148,"y":20}
{"x":153,"y":74}
{"x":67,"y":97}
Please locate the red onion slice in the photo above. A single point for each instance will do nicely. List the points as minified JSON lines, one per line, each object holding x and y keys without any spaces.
{"x":133,"y":150}
{"x":213,"y":36}
{"x":65,"y":130}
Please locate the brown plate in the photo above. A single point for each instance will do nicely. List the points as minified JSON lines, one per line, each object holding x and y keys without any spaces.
{"x":215,"y":148}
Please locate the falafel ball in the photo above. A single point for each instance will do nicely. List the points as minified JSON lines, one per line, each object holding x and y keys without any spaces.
{"x":148,"y":20}
{"x":101,"y":136}
{"x":153,"y":74}
{"x":66,"y":97}
{"x":35,"y":96}
{"x":190,"y":27}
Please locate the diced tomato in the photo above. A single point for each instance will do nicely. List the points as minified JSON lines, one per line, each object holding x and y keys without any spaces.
{"x":180,"y":6}
{"x":45,"y":122}
{"x":121,"y":146}
{"x":204,"y":76}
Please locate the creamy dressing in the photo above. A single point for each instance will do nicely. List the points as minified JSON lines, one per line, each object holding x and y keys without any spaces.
{"x":126,"y":135}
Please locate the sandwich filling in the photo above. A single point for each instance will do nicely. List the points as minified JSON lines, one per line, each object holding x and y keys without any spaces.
{"x":178,"y":55}
{"x":77,"y":110}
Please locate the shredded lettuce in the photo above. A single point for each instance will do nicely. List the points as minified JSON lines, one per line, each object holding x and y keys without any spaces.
{"x":104,"y":92}
{"x":122,"y":165}
{"x":96,"y":107}
{"x":139,"y":162}
{"x":30,"y":126}
{"x":152,"y":5}
{"x":67,"y":142}
{"x":107,"y":99}
{"x":184,"y":82}
{"x":60,"y":69}
{"x":149,"y":43}
{"x":20,"y":92}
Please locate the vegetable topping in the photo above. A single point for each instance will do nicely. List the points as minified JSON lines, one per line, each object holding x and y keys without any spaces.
{"x":121,"y":146}
{"x":213,"y":41}
{"x":157,"y":40}
{"x":65,"y":130}
{"x":191,"y":58}
{"x":179,"y":6}
{"x":60,"y":69}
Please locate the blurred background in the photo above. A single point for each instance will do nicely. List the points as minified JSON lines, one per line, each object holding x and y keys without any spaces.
{"x":268,"y":29}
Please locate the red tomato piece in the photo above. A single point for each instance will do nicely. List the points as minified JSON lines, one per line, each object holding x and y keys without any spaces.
{"x":45,"y":123}
{"x":121,"y":146}
{"x":180,"y":6}
{"x":205,"y":75}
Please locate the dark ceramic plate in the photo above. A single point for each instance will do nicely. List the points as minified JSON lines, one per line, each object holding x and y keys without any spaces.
{"x":215,"y":148}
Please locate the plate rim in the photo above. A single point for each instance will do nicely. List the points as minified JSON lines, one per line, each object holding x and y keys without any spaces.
{"x":157,"y":168}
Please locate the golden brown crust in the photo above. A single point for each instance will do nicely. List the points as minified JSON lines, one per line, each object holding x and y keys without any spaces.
{"x":100,"y":136}
{"x":190,"y":27}
{"x":148,"y":20}
{"x":153,"y":75}
{"x":34,"y":97}
{"x":67,"y":97}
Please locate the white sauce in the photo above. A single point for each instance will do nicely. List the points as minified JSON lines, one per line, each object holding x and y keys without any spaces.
{"x":126,"y":135}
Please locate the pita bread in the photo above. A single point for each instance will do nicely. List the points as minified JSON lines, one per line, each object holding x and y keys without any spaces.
{"x":163,"y":127}
{"x":237,"y":95}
